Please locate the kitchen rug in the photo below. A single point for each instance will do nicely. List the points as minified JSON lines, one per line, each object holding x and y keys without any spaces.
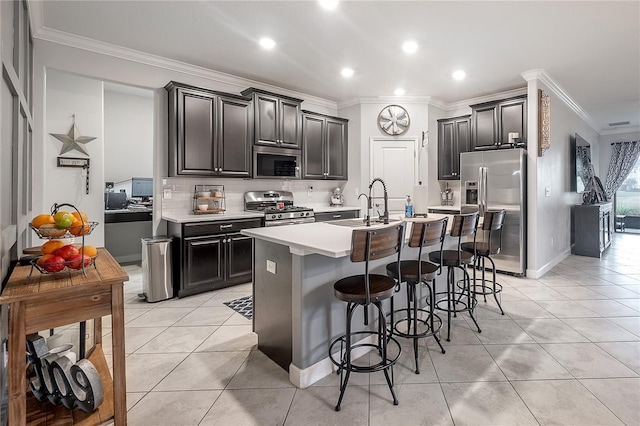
{"x":243,"y":306}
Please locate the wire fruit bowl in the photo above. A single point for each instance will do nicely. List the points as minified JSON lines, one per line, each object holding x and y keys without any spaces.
{"x":65,"y":266}
{"x":52,"y":231}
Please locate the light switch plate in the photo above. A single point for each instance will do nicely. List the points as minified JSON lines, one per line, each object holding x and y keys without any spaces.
{"x":166,"y":194}
{"x":271,"y":266}
{"x":547,"y":192}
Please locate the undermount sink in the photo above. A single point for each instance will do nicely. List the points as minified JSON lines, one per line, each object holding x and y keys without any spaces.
{"x":356,"y":223}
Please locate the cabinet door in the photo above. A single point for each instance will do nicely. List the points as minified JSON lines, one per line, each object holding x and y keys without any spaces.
{"x":447,"y":151}
{"x":203,"y":266}
{"x":239,"y":252}
{"x":266,"y":124}
{"x":512,"y":116}
{"x":336,"y":149}
{"x":195,"y":147}
{"x":289,"y":123}
{"x":313,"y":147}
{"x":463,"y":136}
{"x":484,"y":126}
{"x":234,"y":137}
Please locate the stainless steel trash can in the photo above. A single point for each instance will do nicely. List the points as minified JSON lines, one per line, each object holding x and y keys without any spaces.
{"x":157,"y":274}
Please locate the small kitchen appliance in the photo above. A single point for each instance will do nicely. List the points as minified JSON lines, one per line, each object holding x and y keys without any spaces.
{"x":278,"y":208}
{"x":336,"y":197}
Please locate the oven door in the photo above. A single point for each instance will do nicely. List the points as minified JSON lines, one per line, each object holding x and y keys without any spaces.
{"x":276,"y":163}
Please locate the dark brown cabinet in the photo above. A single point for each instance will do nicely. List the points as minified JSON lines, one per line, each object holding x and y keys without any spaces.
{"x":276,"y":119}
{"x":491,"y":122}
{"x":453,"y":138}
{"x":211,"y":255}
{"x":324,"y":146}
{"x":591,"y":229}
{"x":210,"y":133}
{"x":343,"y":214}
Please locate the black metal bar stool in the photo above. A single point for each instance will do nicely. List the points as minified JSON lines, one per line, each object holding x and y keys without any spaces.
{"x":463,"y":226}
{"x":414,"y":273}
{"x":489,"y":244}
{"x":364,"y":290}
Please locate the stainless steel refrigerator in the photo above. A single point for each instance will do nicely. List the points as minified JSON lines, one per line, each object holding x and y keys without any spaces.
{"x":495,"y":180}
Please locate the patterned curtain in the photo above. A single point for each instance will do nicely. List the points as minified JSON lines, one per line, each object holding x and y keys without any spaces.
{"x":623,"y":156}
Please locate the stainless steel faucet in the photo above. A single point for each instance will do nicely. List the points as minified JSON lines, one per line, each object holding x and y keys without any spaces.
{"x":385,"y":215}
{"x":368,"y":218}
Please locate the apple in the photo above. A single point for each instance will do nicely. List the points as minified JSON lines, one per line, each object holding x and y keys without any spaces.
{"x":52,"y":263}
{"x":76,"y":261}
{"x":67,"y":251}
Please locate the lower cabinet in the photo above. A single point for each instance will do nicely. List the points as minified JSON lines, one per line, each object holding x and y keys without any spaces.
{"x":211,"y":255}
{"x":343,"y":214}
{"x":592,"y":229}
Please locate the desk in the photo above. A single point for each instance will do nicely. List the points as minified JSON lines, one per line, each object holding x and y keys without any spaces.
{"x":42,"y":302}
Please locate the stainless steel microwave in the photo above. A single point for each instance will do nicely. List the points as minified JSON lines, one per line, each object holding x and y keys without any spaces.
{"x":276,"y":163}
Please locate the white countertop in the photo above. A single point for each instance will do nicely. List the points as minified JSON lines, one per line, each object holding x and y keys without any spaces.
{"x":227,"y":215}
{"x":322,"y":238}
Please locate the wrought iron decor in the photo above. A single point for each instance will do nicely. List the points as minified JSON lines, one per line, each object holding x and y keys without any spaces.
{"x":544,"y":122}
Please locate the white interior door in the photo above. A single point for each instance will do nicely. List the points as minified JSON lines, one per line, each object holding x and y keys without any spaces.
{"x":395,"y":161}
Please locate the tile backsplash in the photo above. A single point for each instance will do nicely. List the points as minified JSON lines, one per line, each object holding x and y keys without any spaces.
{"x":182,"y":189}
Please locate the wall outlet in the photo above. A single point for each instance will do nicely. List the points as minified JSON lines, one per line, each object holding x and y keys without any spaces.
{"x":356,"y":191}
{"x":547,"y":192}
{"x":166,"y":194}
{"x":271,"y":266}
{"x":309,"y":191}
{"x":552,"y":242}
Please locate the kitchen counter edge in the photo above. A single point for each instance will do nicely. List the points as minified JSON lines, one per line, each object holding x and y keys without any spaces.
{"x":187,"y":218}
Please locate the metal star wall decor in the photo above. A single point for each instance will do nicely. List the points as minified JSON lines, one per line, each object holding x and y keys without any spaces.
{"x":73,"y":140}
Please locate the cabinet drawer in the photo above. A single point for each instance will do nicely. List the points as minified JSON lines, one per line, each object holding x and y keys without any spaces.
{"x":219,"y":227}
{"x":345,"y":214}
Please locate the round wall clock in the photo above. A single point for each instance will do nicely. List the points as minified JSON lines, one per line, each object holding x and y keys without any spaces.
{"x":393,"y":120}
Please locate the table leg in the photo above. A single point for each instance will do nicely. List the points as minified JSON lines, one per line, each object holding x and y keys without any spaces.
{"x":17,"y":365}
{"x":117,"y":339}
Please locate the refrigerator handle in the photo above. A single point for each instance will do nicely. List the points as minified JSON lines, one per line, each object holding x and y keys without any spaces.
{"x":483,"y":191}
{"x":480,"y":190}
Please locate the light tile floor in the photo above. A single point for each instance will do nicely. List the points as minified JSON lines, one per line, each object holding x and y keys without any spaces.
{"x":566,"y":352}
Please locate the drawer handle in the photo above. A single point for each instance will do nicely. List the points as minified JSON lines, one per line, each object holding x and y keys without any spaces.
{"x":337,"y":216}
{"x":225,"y":226}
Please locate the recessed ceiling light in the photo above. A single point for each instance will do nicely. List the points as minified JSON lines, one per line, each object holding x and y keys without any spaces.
{"x":267,"y":43}
{"x":458,"y":75}
{"x":410,"y":46}
{"x":346,"y":72}
{"x":329,"y":4}
{"x":398,"y":92}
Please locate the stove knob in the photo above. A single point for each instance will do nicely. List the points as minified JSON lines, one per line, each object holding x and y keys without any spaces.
{"x":279,"y":216}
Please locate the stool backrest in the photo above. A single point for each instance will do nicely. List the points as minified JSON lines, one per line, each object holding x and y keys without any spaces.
{"x":464,"y":225}
{"x":425,"y":234}
{"x":376,"y":243}
{"x":492,"y":223}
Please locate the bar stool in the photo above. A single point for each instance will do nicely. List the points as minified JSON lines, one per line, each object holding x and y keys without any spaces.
{"x":414,"y":273}
{"x":463,"y":226}
{"x":492,"y":223}
{"x":364,"y":290}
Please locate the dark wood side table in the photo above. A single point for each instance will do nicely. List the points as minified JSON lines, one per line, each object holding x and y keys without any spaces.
{"x":39,"y":302}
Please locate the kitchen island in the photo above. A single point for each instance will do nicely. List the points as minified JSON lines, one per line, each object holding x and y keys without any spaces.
{"x":296,"y":315}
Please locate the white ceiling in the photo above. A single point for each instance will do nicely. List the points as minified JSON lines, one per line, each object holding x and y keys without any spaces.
{"x":590,"y":49}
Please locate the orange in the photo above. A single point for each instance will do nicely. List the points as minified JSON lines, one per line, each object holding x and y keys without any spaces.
{"x":82,"y":215}
{"x":76,"y":227}
{"x":90,"y":251}
{"x":51,"y":246}
{"x":42,"y":219}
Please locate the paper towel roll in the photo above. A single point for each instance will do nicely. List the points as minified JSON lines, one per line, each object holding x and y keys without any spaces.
{"x":420,"y":199}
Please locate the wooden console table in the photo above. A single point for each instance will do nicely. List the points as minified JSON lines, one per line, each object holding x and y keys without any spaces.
{"x":40,"y":302}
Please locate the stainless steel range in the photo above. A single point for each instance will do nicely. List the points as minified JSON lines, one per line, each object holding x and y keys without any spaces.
{"x":278,"y":207}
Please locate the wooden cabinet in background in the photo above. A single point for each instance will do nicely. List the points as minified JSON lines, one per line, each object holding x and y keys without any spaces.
{"x":276,"y":119}
{"x":210,"y":133}
{"x":211,"y":255}
{"x":491,"y":122}
{"x":324,"y":146}
{"x":591,"y":228}
{"x":453,"y":139}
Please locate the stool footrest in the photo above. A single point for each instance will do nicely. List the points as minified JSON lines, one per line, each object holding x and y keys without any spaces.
{"x":458,"y":305}
{"x":437,"y":325}
{"x":341,"y":362}
{"x":488,"y":287}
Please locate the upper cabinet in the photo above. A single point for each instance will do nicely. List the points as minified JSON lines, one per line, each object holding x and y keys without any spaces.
{"x":324,"y":146}
{"x":453,"y":139}
{"x":276,"y":119}
{"x":210,"y":133}
{"x":491,"y":122}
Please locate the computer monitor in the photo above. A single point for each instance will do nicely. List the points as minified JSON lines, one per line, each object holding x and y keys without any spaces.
{"x":142,"y":188}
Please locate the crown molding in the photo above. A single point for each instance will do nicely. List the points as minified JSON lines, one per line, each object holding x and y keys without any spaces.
{"x":36,"y":14}
{"x":394,"y":99}
{"x":621,"y":130}
{"x":95,"y":46}
{"x":541,"y":75}
{"x":487,"y":98}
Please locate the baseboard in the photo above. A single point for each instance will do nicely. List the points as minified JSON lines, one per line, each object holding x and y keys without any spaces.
{"x":539,"y":273}
{"x":303,"y":378}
